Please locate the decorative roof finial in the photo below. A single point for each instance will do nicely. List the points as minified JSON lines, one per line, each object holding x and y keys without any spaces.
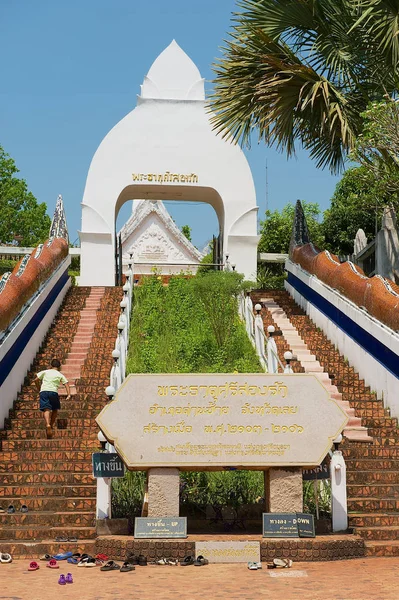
{"x":300,"y":231}
{"x":59,"y":228}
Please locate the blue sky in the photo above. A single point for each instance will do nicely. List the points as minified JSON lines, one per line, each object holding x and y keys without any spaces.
{"x":71,"y":70}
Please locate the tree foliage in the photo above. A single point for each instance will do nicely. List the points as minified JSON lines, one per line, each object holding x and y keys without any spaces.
{"x":304,"y":71}
{"x":22,"y":219}
{"x":277,"y":227}
{"x":377,"y":149}
{"x":357,"y":203}
{"x":186,"y":231}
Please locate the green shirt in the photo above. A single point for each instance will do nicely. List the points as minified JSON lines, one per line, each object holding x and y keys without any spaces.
{"x":51,"y":380}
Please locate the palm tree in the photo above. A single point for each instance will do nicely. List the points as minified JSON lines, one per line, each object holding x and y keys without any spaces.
{"x":304,"y":71}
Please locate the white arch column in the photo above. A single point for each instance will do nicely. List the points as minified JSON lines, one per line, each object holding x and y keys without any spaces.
{"x":166,"y":149}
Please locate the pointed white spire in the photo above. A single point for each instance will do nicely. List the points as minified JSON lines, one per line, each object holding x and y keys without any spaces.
{"x":173,"y":76}
{"x":59,"y":228}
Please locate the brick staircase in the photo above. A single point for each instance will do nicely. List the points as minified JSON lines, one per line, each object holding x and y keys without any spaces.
{"x":372,"y":468}
{"x":53,"y":477}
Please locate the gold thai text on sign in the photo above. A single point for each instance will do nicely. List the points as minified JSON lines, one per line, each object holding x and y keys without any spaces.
{"x":166,"y":177}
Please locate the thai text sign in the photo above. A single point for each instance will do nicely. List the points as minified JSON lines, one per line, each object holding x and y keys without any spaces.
{"x":165,"y":527}
{"x":107,"y":464}
{"x":229,"y":552}
{"x":288,"y":525}
{"x":215,"y":421}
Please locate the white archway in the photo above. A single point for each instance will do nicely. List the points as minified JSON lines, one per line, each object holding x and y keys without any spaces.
{"x":166,"y":149}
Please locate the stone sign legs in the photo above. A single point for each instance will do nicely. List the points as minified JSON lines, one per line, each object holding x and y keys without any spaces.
{"x":283,"y":490}
{"x":163,"y":492}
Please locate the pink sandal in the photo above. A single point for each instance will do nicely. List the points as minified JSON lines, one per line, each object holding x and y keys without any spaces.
{"x":33,"y":566}
{"x":52,"y":564}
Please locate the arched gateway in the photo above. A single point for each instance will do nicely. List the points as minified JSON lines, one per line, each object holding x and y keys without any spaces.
{"x":165,"y":149}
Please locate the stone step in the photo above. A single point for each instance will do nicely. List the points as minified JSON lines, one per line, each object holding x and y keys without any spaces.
{"x":369,"y":477}
{"x":47,"y":491}
{"x":84,"y":466}
{"x":48,"y":477}
{"x":54,"y":455}
{"x":73,"y":405}
{"x":37,"y":533}
{"x":389,"y":532}
{"x":64,"y":423}
{"x":23,"y":417}
{"x":371,"y":504}
{"x":58,"y":433}
{"x":56,"y":503}
{"x":49,"y":518}
{"x":372,"y":464}
{"x":382,"y":548}
{"x":29,"y":550}
{"x":373,"y":519}
{"x":49,"y":445}
{"x":378,"y":490}
{"x":372,"y":452}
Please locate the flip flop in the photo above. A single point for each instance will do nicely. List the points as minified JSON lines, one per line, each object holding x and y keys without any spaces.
{"x":72,"y":539}
{"x":24,"y":508}
{"x":161,"y":561}
{"x":61,"y":580}
{"x":141,"y":560}
{"x":127,"y":566}
{"x":5,"y":557}
{"x":62,"y":539}
{"x":33,"y":566}
{"x":11,"y":509}
{"x":105,"y":557}
{"x":72,"y":561}
{"x":187,"y":561}
{"x":282,"y":563}
{"x":201,"y":561}
{"x":2,"y":510}
{"x":91,"y":562}
{"x":252,"y":566}
{"x":45,"y":557}
{"x":62,"y":556}
{"x":173,"y":562}
{"x":111,"y":566}
{"x":52,"y":564}
{"x":69,"y":578}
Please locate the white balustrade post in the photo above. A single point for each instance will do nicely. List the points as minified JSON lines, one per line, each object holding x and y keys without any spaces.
{"x":122,"y":349}
{"x":103,"y":501}
{"x":339,"y":505}
{"x":249,"y":316}
{"x":272,"y":364}
{"x":260,"y":337}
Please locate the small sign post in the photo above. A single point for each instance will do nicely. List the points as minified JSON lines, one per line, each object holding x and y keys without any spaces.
{"x":160,"y":527}
{"x":107,"y":464}
{"x":288,"y":525}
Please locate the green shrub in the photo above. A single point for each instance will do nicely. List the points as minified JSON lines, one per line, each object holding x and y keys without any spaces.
{"x":7,"y":265}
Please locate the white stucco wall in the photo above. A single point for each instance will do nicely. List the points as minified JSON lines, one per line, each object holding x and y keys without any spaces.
{"x":380,"y":380}
{"x":168,"y":132}
{"x":12,"y":384}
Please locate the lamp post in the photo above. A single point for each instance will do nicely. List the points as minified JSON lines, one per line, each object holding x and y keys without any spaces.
{"x":288,"y":357}
{"x":339,"y":506}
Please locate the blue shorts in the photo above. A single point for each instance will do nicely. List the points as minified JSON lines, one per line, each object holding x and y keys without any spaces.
{"x":49,"y":401}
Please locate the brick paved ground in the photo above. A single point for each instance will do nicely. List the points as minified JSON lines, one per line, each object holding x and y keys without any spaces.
{"x":358,"y":579}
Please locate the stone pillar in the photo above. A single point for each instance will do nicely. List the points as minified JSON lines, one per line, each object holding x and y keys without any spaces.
{"x":283,"y":490}
{"x":103,"y":504}
{"x":163,"y":492}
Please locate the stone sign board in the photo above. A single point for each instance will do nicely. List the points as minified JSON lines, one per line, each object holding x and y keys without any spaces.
{"x":165,"y":527}
{"x":107,"y":464}
{"x":288,"y":525}
{"x":250,"y":421}
{"x":228,"y":552}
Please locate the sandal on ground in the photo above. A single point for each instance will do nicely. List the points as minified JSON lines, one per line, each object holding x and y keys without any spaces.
{"x":200,"y":561}
{"x":161,"y":561}
{"x":33,"y":566}
{"x":11,"y":509}
{"x":141,"y":560}
{"x":187,"y":561}
{"x":5,"y":557}
{"x":173,"y":562}
{"x":62,"y":555}
{"x":73,"y":539}
{"x":282,"y":563}
{"x":132,"y":559}
{"x":69,"y":578}
{"x":24,"y":508}
{"x":72,"y":560}
{"x":127,"y":566}
{"x":52,"y":564}
{"x":111,"y":566}
{"x":2,"y":510}
{"x":252,"y":566}
{"x":61,"y":580}
{"x":104,"y":557}
{"x":62,"y":539}
{"x":45,"y":557}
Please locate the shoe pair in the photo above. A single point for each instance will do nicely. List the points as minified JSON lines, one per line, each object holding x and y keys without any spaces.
{"x":254,"y":566}
{"x":11,"y":509}
{"x":64,"y":579}
{"x":5,"y":557}
{"x":280,"y":563}
{"x":167,"y":561}
{"x":140,"y":560}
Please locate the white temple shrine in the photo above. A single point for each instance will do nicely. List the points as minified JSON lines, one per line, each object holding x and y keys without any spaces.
{"x":166,"y":148}
{"x":153,"y":241}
